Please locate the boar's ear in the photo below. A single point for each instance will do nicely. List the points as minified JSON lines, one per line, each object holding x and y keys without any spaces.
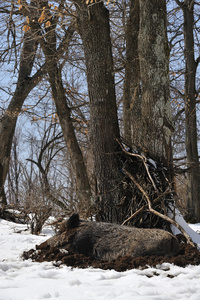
{"x":73,"y":221}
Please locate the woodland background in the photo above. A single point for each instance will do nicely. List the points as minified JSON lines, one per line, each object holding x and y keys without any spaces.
{"x":76,"y":77}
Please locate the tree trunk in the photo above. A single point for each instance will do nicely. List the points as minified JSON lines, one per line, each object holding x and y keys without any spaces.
{"x":48,"y":46}
{"x":9,"y":119}
{"x":83,"y":186}
{"x":154,"y":70}
{"x":190,"y":113}
{"x":132,"y":99}
{"x":94,"y":29}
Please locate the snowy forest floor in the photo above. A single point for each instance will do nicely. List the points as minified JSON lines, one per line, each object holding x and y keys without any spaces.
{"x":155,"y":278}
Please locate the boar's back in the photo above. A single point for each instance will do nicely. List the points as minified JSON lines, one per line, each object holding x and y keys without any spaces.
{"x":108,"y":241}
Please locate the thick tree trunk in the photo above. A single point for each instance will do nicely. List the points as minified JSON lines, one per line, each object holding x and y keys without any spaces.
{"x":94,"y":29}
{"x":132,"y":99}
{"x":154,"y":70}
{"x":190,"y":113}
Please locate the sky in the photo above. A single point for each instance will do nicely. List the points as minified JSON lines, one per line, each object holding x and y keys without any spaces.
{"x":29,"y":280}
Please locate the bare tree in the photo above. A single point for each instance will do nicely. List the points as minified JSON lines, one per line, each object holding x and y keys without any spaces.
{"x":191,"y":64}
{"x":25,"y":84}
{"x":50,"y":145}
{"x":48,"y":44}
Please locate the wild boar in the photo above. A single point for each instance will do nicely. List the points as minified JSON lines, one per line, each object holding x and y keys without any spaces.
{"x":107,"y":241}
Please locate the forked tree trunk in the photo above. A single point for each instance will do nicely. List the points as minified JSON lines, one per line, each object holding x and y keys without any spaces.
{"x":94,"y":29}
{"x":154,"y":70}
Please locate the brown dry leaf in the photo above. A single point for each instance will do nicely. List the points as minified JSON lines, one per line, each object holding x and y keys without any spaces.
{"x":42,"y":17}
{"x":27,"y":20}
{"x":48,"y":23}
{"x":26,"y":28}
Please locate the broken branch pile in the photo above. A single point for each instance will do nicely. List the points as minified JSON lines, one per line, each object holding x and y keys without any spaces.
{"x":146,"y":188}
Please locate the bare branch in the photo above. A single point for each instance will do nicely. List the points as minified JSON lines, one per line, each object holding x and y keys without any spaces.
{"x":197,"y":61}
{"x":143,"y":158}
{"x":165,"y":217}
{"x":180,"y":3}
{"x":191,"y":5}
{"x":146,"y":206}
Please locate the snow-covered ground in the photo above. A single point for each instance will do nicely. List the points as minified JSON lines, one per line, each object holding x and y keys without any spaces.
{"x":27,"y":280}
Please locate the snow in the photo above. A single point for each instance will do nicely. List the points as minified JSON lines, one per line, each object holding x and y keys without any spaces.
{"x":29,"y":280}
{"x":152,"y":162}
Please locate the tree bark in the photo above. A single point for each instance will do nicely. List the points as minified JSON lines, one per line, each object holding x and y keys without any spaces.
{"x":154,"y":70}
{"x":132,"y":99}
{"x":94,"y":29}
{"x":190,"y":112}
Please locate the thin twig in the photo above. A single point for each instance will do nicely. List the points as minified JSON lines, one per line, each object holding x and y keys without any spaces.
{"x":143,"y":158}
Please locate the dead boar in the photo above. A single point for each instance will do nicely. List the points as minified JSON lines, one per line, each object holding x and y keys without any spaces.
{"x":107,"y":241}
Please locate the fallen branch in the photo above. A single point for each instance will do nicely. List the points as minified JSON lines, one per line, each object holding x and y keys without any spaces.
{"x":14,"y":214}
{"x":165,"y":217}
{"x":145,"y":206}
